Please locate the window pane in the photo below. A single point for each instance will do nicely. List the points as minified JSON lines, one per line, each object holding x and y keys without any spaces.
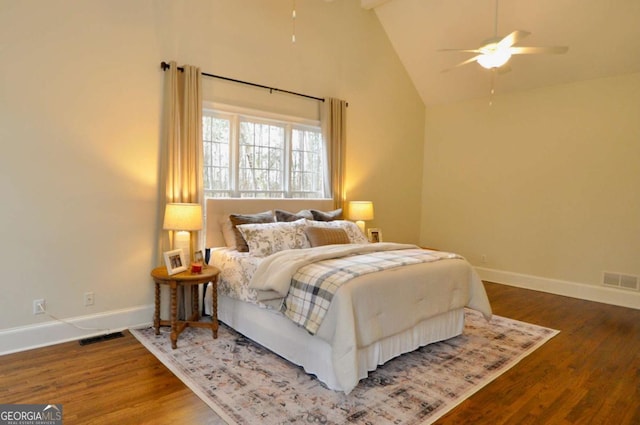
{"x":216,"y":138}
{"x":266,"y":150}
{"x":261,"y":166}
{"x":306,"y":163}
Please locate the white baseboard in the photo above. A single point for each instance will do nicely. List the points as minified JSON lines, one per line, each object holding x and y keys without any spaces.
{"x":601,"y":294}
{"x":54,"y":332}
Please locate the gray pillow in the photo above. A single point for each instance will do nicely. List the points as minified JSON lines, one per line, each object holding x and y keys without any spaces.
{"x":327,"y":215}
{"x":282,"y":215}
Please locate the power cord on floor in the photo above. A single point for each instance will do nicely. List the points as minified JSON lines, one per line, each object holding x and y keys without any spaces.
{"x":82,"y":328}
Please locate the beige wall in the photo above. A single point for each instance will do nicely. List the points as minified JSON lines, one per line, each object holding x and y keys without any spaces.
{"x":543,"y":183}
{"x":80,"y":110}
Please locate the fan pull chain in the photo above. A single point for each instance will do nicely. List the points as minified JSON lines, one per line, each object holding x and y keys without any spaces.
{"x":293,"y":22}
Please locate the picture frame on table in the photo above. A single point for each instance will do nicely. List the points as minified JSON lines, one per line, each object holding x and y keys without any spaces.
{"x":174,"y":261}
{"x":374,"y":234}
{"x":198,"y":257}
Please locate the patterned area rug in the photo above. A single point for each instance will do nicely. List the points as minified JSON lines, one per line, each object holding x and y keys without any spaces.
{"x":245,"y":383}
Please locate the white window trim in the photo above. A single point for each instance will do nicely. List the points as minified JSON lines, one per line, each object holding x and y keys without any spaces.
{"x":258,"y":114}
{"x":237,"y":112}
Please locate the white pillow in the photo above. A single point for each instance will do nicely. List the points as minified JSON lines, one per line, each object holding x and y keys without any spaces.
{"x":351,"y":228}
{"x":267,"y":238}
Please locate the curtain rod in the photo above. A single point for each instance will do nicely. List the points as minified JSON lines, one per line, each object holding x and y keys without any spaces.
{"x":165,"y":66}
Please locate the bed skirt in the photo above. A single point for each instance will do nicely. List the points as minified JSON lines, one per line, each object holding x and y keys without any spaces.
{"x":274,"y":331}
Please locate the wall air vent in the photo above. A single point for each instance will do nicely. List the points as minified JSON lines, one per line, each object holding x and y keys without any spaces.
{"x":611,"y":279}
{"x":619,"y":280}
{"x":629,"y":282}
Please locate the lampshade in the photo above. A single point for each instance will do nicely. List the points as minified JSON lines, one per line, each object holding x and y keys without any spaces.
{"x":182,"y":216}
{"x":360,"y":210}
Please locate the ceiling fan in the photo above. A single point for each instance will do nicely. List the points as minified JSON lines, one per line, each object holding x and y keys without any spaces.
{"x":495,"y":53}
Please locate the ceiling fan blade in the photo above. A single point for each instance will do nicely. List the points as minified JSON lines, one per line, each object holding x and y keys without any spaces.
{"x":461,"y":50}
{"x":473,"y":59}
{"x":557,"y":50}
{"x":512,"y":39}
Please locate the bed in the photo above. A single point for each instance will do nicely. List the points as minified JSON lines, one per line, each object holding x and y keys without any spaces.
{"x":417,"y":298}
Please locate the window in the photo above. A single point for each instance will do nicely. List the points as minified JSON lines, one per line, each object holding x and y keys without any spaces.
{"x":249,"y":154}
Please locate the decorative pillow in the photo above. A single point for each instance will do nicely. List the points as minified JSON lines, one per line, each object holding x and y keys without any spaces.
{"x":239,"y":219}
{"x":319,"y":236}
{"x":282,"y":215}
{"x":327,"y":215}
{"x":353,"y":231}
{"x":268,"y":238}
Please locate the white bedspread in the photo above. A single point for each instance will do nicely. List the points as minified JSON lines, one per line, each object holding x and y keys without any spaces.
{"x":375,"y":306}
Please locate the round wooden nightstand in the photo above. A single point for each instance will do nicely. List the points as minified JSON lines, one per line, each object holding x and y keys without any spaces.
{"x":191,"y":280}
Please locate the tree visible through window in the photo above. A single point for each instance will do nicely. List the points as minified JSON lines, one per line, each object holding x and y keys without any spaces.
{"x":252,"y":156}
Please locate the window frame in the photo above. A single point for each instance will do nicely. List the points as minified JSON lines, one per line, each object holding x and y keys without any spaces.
{"x":235,"y":115}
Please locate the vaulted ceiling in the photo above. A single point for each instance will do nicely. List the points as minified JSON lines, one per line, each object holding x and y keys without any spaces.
{"x":603,"y":38}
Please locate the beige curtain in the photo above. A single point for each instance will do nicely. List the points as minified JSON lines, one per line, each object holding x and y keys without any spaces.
{"x":334,"y":130}
{"x":181,"y":155}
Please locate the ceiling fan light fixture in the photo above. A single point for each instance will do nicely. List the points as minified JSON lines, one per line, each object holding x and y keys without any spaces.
{"x":494,"y":58}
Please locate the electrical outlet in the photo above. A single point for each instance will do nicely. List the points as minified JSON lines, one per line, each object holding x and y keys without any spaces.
{"x":39,"y":306}
{"x":483,"y":258}
{"x":89,"y":298}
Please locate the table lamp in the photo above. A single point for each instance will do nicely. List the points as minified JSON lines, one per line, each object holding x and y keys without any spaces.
{"x":183,"y":218}
{"x":359,"y":211}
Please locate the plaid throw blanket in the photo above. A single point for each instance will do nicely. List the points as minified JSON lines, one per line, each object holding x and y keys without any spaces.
{"x":314,"y":285}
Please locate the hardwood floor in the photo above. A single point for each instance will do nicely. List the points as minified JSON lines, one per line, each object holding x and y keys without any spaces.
{"x":588,"y":374}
